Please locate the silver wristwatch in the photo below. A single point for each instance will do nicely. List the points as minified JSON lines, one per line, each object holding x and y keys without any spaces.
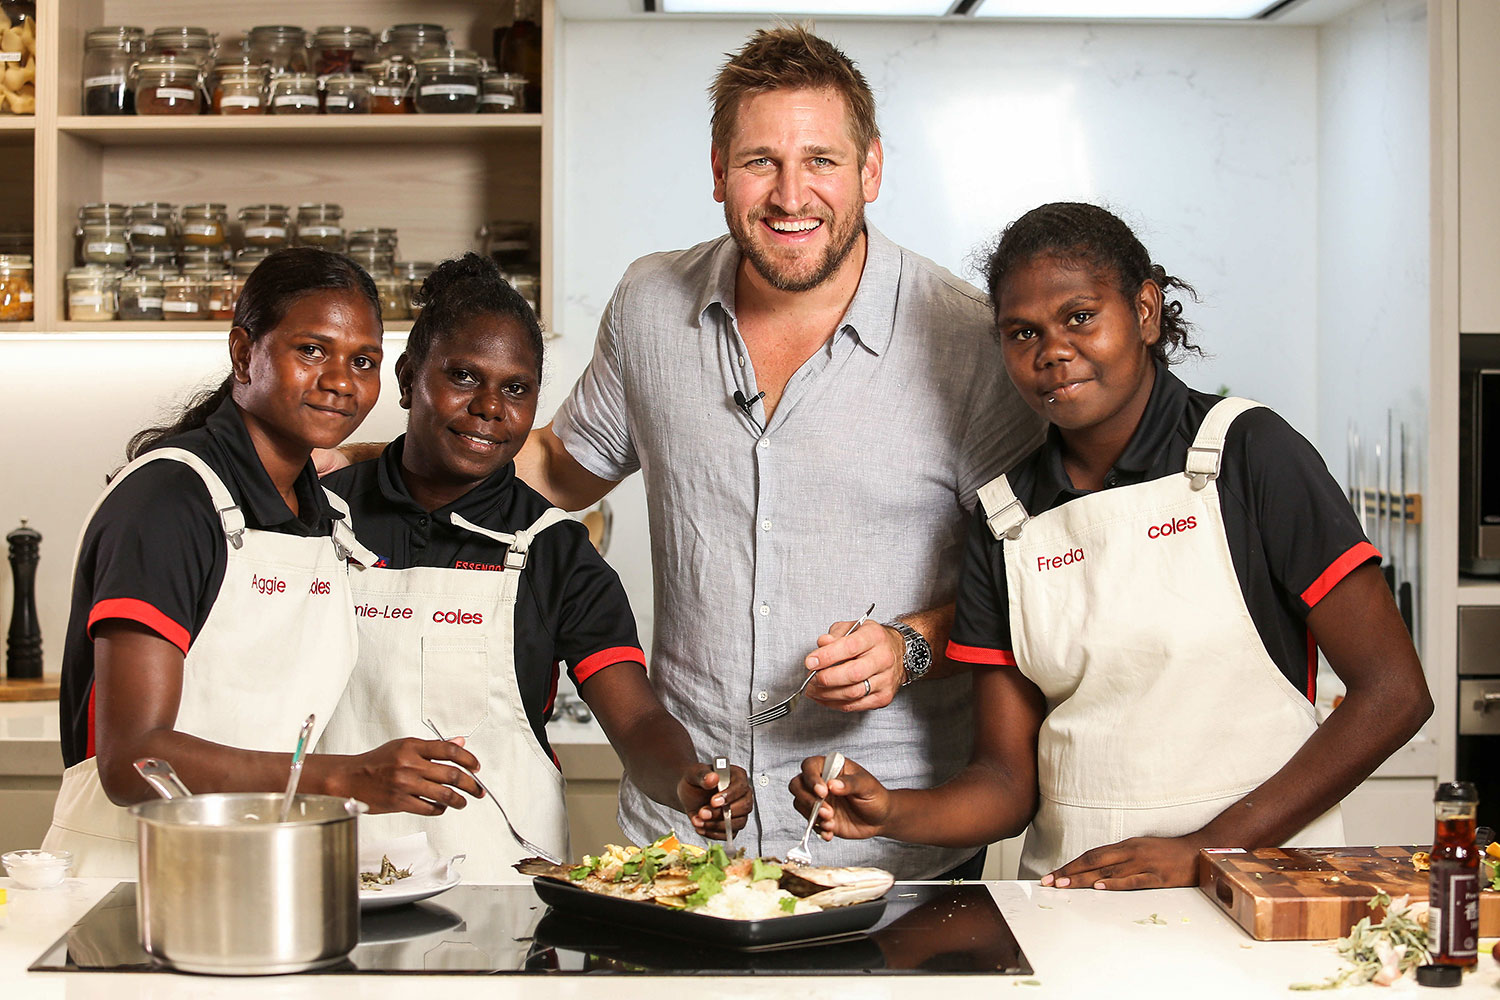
{"x":918,"y":657}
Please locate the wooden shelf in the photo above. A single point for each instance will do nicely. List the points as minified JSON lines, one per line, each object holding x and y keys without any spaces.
{"x":220,"y":129}
{"x":17,"y":123}
{"x":144,"y":330}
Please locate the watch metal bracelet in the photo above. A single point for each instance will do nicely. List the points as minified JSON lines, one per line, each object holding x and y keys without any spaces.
{"x":918,"y":656}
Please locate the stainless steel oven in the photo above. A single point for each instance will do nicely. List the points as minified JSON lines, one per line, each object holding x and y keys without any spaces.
{"x":1478,"y":746}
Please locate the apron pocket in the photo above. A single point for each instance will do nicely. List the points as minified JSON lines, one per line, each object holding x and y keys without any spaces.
{"x":455,"y":683}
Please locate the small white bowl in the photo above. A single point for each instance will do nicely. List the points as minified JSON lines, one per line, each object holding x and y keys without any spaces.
{"x":37,"y":869}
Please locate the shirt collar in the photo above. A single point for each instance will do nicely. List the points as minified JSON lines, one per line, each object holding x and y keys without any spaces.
{"x":258,"y":497}
{"x":871,"y":315}
{"x":472,"y":506}
{"x":1159,"y":423}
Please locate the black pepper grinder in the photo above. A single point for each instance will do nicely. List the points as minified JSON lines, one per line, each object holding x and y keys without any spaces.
{"x":23,"y":644}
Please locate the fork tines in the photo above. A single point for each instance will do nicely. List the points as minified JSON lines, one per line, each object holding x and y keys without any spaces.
{"x":769,"y":715}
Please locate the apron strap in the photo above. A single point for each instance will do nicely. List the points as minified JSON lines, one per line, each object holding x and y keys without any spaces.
{"x":231,"y":519}
{"x":1206,"y":453}
{"x":345,"y":542}
{"x":1002,"y":510}
{"x":517,"y":544}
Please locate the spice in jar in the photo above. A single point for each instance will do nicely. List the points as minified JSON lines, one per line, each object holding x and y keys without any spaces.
{"x":265,"y":225}
{"x":347,"y":94}
{"x":204,"y":258}
{"x":342,"y":48}
{"x":183,"y":296}
{"x":392,"y":292}
{"x":15,"y":287}
{"x":153,"y":224}
{"x":240,"y":93}
{"x":223,"y":293}
{"x":390,"y":87}
{"x":105,"y":242}
{"x":108,"y":54}
{"x":152,"y":256}
{"x":502,"y":94}
{"x":168,"y":85}
{"x":448,"y":82}
{"x":205,"y":224}
{"x":140,"y":296}
{"x":320,"y":224}
{"x":414,"y":273}
{"x":93,"y":292}
{"x":294,"y":94}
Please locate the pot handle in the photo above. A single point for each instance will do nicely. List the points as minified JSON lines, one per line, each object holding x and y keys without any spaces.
{"x":160,"y":776}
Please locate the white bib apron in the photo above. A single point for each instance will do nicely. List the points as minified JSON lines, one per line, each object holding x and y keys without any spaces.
{"x":439,"y":643}
{"x":1163,"y":707}
{"x":279,"y":642}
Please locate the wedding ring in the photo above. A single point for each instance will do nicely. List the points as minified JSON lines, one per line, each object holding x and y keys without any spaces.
{"x":867,"y":687}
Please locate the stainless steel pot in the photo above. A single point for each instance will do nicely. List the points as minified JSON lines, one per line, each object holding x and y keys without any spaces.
{"x":226,"y":889}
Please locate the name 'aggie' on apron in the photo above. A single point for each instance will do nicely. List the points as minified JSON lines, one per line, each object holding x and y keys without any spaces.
{"x":1163,"y":706}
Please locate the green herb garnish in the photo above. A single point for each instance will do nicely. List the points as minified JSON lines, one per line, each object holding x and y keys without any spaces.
{"x":761,"y":870}
{"x":1361,"y":949}
{"x":580,"y":873}
{"x":647,"y":870}
{"x":706,"y":890}
{"x":717,"y":857}
{"x":789,"y":904}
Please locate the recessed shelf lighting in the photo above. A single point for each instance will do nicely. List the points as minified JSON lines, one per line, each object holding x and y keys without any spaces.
{"x":854,"y":8}
{"x":1108,"y":9}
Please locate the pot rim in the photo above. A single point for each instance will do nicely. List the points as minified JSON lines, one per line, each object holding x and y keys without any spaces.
{"x":143,"y":811}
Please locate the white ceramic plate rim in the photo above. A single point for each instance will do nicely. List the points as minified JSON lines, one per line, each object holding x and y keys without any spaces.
{"x":410,"y":890}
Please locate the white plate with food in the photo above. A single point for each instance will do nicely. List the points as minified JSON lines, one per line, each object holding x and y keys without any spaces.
{"x":404,"y":870}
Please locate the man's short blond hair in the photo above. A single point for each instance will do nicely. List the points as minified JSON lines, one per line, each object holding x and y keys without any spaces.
{"x":791,"y":57}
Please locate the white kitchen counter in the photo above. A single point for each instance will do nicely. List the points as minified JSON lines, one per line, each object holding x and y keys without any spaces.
{"x":1082,"y":943}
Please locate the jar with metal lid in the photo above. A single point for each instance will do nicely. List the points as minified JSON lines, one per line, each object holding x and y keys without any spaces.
{"x":390,"y":86}
{"x":93,"y":292}
{"x":140,"y":296}
{"x":16,"y":297}
{"x":373,"y":249}
{"x":168,"y":85}
{"x":204,"y":258}
{"x":321,"y":224}
{"x":265,"y":225}
{"x":414,"y":272}
{"x":347,"y":94}
{"x":149,"y":256}
{"x":448,"y":82}
{"x":412,"y":40}
{"x":105,"y":242}
{"x":108,"y":54}
{"x":240,"y":92}
{"x":247,"y":260}
{"x":190,"y":42}
{"x":281,"y":48}
{"x":391,"y":290}
{"x":294,"y":94}
{"x":184,"y":296}
{"x":507,"y":242}
{"x":342,"y":48}
{"x":502,"y":94}
{"x":223,"y":293}
{"x":529,"y":284}
{"x":205,"y":224}
{"x":152,"y":223}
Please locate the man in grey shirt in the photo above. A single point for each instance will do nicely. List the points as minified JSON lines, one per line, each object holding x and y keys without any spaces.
{"x":813,"y":409}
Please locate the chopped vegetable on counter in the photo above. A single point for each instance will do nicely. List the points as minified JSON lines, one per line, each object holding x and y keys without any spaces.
{"x":1379,"y":953}
{"x":1153,"y":919}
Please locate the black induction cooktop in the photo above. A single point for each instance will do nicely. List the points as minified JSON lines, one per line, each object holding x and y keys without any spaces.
{"x":506,"y":929}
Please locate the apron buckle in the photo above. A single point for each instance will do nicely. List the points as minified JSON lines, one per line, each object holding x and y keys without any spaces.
{"x":1198,"y":471}
{"x":515,"y":559}
{"x":1008,"y":520}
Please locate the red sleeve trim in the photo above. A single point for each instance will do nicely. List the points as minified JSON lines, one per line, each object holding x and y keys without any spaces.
{"x":977,"y":654}
{"x":1341,"y":567}
{"x":139,"y":611}
{"x":592,"y":664}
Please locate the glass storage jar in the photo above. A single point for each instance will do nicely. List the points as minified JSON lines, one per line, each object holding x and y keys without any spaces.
{"x":16,"y":297}
{"x":502,"y":94}
{"x":507,"y":242}
{"x":412,"y":40}
{"x":390,"y":86}
{"x":347,"y":94}
{"x":321,"y":224}
{"x":168,"y":85}
{"x":265,"y":226}
{"x":280,"y":48}
{"x":294,"y":94}
{"x":110,"y":212}
{"x":518,"y":48}
{"x":186,"y":41}
{"x":342,"y":48}
{"x":205,"y":224}
{"x":223,"y":293}
{"x":448,"y":82}
{"x":140,"y":296}
{"x":529,"y":284}
{"x":105,"y":242}
{"x":153,"y":257}
{"x":210,"y":258}
{"x":391,"y":289}
{"x":18,"y":58}
{"x":248,"y":260}
{"x":152,"y":224}
{"x":108,"y":54}
{"x":93,"y":292}
{"x":414,"y":272}
{"x":184,"y":296}
{"x":240,"y":92}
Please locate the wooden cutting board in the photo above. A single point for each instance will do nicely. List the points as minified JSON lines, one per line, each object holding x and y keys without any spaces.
{"x":1316,"y":893}
{"x":39,"y":689}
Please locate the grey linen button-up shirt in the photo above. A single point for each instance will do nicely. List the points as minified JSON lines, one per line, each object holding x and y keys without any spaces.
{"x":762,"y":535}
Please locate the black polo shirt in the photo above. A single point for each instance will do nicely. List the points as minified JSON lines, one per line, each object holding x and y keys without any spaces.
{"x":1292,"y":532}
{"x":155,"y":553}
{"x":570,"y":606}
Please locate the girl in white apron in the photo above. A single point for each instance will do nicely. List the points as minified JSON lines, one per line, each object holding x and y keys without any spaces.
{"x":1143,"y":600}
{"x":483,"y":587}
{"x":211,"y":610}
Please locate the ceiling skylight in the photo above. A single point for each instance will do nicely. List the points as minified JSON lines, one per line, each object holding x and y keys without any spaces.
{"x":858,"y":8}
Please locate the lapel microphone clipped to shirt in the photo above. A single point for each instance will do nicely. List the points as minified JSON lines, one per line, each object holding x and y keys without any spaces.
{"x":748,"y":406}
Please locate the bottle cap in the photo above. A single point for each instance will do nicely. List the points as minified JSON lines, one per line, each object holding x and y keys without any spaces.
{"x":1456,"y":791}
{"x":1440,"y":975}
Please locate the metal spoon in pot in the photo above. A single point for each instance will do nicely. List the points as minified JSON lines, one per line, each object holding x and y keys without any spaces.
{"x":160,"y":776}
{"x":296,"y":775}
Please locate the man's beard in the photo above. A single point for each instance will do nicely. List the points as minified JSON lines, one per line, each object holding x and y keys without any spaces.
{"x":839,"y":246}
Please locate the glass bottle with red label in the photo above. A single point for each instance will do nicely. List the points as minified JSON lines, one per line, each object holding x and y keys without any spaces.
{"x":1453,"y":882}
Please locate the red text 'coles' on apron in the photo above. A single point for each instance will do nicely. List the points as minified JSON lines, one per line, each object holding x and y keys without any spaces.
{"x":279,"y":643}
{"x":1163,"y":706}
{"x":439,"y":643}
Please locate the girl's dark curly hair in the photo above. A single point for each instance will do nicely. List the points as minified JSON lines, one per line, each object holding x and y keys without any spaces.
{"x":1088,"y":235}
{"x":458,"y":290}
